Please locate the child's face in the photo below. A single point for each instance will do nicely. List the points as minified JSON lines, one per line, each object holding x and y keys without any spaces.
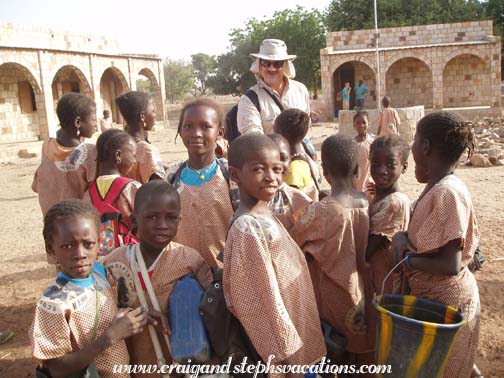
{"x":150,"y":115}
{"x":418,"y":152}
{"x":386,"y":167}
{"x":261,"y":176}
{"x":285,"y":159}
{"x":157,"y":221}
{"x":126,"y":158}
{"x":75,"y":246}
{"x":361,"y":125}
{"x":87,"y":124}
{"x":200,"y":129}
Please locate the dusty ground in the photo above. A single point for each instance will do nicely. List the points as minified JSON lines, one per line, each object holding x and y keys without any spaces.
{"x":24,"y":273}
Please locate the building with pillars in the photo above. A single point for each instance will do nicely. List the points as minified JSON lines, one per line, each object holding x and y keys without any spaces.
{"x":438,"y":66}
{"x":39,"y":65}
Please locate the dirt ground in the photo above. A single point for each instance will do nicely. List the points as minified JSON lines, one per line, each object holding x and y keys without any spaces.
{"x":24,"y":273}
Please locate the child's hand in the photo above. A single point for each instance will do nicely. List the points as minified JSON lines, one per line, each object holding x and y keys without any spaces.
{"x":127,"y":322}
{"x":371,"y":191}
{"x":400,"y":244}
{"x":157,"y":319}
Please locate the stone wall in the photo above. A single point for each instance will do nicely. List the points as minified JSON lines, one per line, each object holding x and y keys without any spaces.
{"x":466,"y":82}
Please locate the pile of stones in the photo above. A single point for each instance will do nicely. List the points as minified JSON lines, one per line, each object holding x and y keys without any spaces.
{"x":489,"y":151}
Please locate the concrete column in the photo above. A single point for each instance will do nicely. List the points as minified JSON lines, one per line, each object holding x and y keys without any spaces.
{"x":47,"y":115}
{"x":437,"y":77}
{"x":495,"y":64}
{"x":325,"y":75}
{"x":131,"y":76}
{"x":383,"y":76}
{"x":95,"y":85}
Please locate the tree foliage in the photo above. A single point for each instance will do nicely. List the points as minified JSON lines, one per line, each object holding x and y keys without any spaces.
{"x":204,"y":67}
{"x":179,"y":79}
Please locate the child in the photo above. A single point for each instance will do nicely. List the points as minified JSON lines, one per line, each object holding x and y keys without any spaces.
{"x":442,"y":234}
{"x":288,"y":202}
{"x":77,"y":325}
{"x":333,"y":235}
{"x":390,"y":210}
{"x":293,"y":124}
{"x":139,"y":113}
{"x":266,"y":281}
{"x":364,"y":140}
{"x":105,"y":121}
{"x":112,"y":189}
{"x":202,"y":182}
{"x":68,"y":165}
{"x":388,"y":119}
{"x":156,"y":217}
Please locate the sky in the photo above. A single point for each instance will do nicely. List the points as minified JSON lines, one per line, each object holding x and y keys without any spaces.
{"x":174,"y":29}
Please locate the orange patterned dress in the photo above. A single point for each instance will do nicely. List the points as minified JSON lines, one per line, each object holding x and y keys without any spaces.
{"x":65,"y":318}
{"x":443,"y":214}
{"x":386,"y":217}
{"x":288,"y":204}
{"x":173,"y":263}
{"x":148,"y":162}
{"x":334,"y":240}
{"x":205,"y":214}
{"x":364,"y":176}
{"x":64,"y":172}
{"x":268,"y":288}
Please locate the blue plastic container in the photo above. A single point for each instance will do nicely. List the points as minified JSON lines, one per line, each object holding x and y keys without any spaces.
{"x":188,"y":339}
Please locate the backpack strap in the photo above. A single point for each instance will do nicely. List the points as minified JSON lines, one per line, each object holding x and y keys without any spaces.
{"x":276,"y":100}
{"x":116,"y":188}
{"x":104,"y":205}
{"x":174,"y":180}
{"x":252,"y":95}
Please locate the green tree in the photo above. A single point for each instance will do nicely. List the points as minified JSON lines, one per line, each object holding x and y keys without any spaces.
{"x":144,"y":85}
{"x":179,"y":79}
{"x":204,"y":67}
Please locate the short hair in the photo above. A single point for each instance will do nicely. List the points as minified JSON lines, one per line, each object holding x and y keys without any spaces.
{"x":293,"y":125}
{"x":155,"y":188}
{"x":73,"y":105}
{"x":109,"y":142}
{"x":340,"y":155}
{"x":131,"y":104}
{"x":391,"y":142}
{"x":449,"y":133}
{"x":277,"y":138}
{"x":68,"y":209}
{"x":360,"y":113}
{"x":106,"y":112}
{"x":245,"y":146}
{"x":386,"y":101}
{"x":206,"y":102}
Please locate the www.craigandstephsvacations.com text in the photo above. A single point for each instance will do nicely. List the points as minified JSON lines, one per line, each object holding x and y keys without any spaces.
{"x":245,"y":367}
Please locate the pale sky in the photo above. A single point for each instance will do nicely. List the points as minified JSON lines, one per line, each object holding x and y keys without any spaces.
{"x":174,"y":29}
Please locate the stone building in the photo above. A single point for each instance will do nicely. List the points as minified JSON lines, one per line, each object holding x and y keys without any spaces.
{"x":438,"y":66}
{"x":39,"y":65}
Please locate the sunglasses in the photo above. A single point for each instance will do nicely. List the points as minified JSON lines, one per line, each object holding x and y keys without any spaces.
{"x":275,"y":63}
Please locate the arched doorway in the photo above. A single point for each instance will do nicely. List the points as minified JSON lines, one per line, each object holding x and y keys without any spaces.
{"x":112,"y":85}
{"x":69,"y":79}
{"x":20,"y":102}
{"x":147,"y":82}
{"x":466,"y":82}
{"x":353,"y":72}
{"x":409,"y":83}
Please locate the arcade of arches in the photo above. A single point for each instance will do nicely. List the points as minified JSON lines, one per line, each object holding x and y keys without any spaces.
{"x":437,"y":66}
{"x":35,"y":74}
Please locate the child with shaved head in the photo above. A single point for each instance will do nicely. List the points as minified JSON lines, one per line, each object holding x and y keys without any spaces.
{"x":266,"y":280}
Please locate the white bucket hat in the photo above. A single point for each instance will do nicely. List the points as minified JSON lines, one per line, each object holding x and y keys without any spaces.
{"x":274,"y":49}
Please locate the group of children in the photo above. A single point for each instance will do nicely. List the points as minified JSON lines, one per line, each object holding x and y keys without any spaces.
{"x":289,"y":260}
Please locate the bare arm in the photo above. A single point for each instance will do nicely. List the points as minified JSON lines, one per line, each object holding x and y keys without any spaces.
{"x":126,"y":323}
{"x":375,"y":243}
{"x":446,"y":261}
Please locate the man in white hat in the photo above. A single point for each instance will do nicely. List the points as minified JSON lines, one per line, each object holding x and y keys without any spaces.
{"x":274,"y":71}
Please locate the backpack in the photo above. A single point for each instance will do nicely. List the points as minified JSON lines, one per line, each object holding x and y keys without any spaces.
{"x":231,"y":130}
{"x":113,"y":231}
{"x":174,"y":180}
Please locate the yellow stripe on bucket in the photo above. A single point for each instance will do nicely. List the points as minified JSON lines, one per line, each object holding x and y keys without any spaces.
{"x":423,"y":351}
{"x":408,"y":305}
{"x":385,"y":338}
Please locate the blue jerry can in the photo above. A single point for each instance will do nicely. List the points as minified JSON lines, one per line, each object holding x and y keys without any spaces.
{"x":188,"y":336}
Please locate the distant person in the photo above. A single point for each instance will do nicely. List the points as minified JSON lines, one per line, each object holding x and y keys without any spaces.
{"x":388,"y":119}
{"x":360,"y":94}
{"x":105,"y":121}
{"x":275,"y":91}
{"x":345,"y":96}
{"x":364,"y":140}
